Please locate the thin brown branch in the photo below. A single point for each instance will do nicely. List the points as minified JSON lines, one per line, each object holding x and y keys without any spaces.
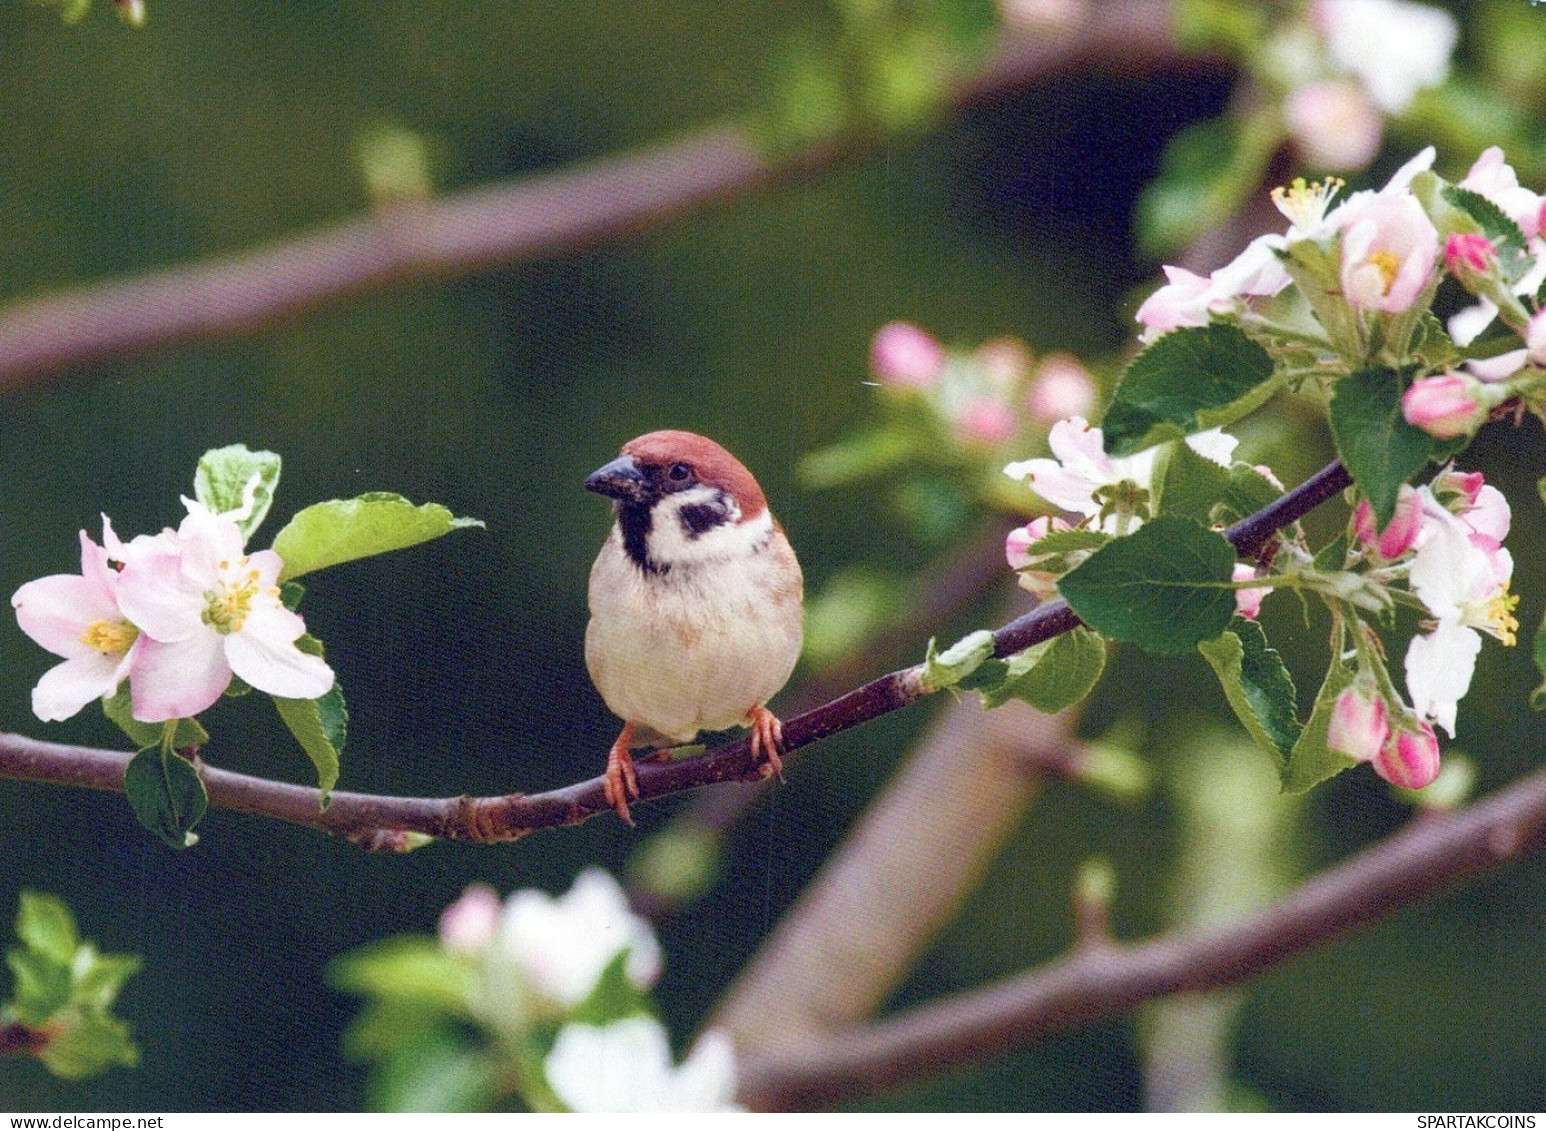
{"x":383,"y":822}
{"x":497,"y":225}
{"x":1431,"y":854}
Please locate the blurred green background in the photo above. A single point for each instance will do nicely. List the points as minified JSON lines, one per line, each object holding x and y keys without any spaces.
{"x":223,"y":124}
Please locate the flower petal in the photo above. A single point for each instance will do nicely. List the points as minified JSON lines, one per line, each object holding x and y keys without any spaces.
{"x":1439,"y":667}
{"x":67,"y":687}
{"x":264,"y":654}
{"x":177,"y":680}
{"x":55,"y":612}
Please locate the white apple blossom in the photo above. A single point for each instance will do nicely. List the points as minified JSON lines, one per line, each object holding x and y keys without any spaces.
{"x":627,"y":1067}
{"x":1394,"y":48}
{"x":1494,"y":178}
{"x":207,"y":609}
{"x":1464,"y":584}
{"x":561,"y":945}
{"x":1080,"y":471}
{"x":78,"y":617}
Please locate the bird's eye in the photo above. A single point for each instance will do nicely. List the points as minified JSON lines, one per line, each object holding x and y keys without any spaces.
{"x":678,"y":473}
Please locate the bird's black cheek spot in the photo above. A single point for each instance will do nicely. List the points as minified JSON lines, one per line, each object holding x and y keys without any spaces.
{"x":699,"y":518}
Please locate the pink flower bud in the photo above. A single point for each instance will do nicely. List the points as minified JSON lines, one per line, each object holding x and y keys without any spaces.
{"x":1399,"y":534}
{"x":1458,"y":491}
{"x":1444,"y":406}
{"x":903,"y":355}
{"x":1062,"y":388}
{"x":1333,"y":125}
{"x":1468,"y":255}
{"x":1358,"y":727}
{"x":985,"y":420}
{"x":1017,"y":551}
{"x":1248,"y":601}
{"x":1410,"y":759}
{"x":469,"y":925}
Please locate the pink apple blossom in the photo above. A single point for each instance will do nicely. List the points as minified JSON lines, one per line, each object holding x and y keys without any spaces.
{"x":1017,"y":551}
{"x":903,"y":355}
{"x":1394,"y":48}
{"x":1469,"y":254}
{"x":1389,"y":249}
{"x":985,"y":420}
{"x":78,"y":617}
{"x":1445,"y":405}
{"x":207,"y":609}
{"x":1062,"y":388}
{"x":471,"y":924}
{"x":1493,"y":177}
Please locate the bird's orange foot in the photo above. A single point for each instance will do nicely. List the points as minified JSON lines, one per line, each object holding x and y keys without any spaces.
{"x":767,"y":739}
{"x":622,"y":784}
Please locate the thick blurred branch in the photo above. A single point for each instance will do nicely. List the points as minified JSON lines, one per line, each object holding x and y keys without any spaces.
{"x":382,"y":822}
{"x":501,"y":224}
{"x":1434,"y":852}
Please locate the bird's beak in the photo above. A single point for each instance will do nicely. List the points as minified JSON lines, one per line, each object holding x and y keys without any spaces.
{"x":621,"y":480}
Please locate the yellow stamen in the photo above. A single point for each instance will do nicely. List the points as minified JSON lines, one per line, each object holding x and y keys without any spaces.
{"x":110,"y":637}
{"x":1389,"y":264}
{"x":1501,"y":621}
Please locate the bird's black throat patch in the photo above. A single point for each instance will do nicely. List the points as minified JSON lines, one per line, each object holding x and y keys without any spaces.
{"x":633,"y":519}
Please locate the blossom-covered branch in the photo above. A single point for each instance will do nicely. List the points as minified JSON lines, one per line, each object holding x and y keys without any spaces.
{"x":391,"y":822}
{"x":496,"y":225}
{"x":1428,"y":856}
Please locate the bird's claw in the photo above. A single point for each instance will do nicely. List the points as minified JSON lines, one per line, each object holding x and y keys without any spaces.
{"x":768,"y":740}
{"x":622,"y":783}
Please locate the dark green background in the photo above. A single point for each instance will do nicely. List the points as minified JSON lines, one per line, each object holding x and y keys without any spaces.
{"x":223,"y":124}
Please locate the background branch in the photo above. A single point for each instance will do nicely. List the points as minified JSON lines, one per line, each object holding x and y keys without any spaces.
{"x":1433,"y":852}
{"x":500,"y":224}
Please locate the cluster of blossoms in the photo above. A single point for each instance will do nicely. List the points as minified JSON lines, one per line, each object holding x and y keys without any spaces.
{"x":539,"y":958}
{"x":176,"y":614}
{"x":1369,"y":268}
{"x":983,"y":394}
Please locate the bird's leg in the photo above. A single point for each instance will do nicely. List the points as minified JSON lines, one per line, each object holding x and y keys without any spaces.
{"x":622,"y":784}
{"x":767,"y":739}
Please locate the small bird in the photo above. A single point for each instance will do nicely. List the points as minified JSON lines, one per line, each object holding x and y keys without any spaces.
{"x":696,"y":602}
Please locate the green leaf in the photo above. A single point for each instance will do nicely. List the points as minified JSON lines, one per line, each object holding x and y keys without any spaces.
{"x":40,"y":986}
{"x":321,"y":727}
{"x":1069,"y":541}
{"x":1538,"y":696}
{"x":858,"y":457}
{"x":1188,"y":484}
{"x":1188,"y":380}
{"x":1164,"y":587}
{"x":166,"y":795}
{"x":1257,"y":685}
{"x":950,"y":667}
{"x":437,"y":1071}
{"x":342,"y":530}
{"x":1380,"y":449}
{"x":120,"y":710}
{"x":1053,"y":675}
{"x":45,"y":925}
{"x":1204,"y":175}
{"x":237,"y":483}
{"x":1311,"y":761}
{"x":411,"y":969}
{"x":98,"y":985}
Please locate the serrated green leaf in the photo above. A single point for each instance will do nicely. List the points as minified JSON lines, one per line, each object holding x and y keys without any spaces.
{"x":166,"y":795}
{"x":238,"y":483}
{"x":1164,"y":587}
{"x":1257,"y":685}
{"x":321,"y":727}
{"x":1379,"y":448}
{"x":342,"y":530}
{"x":1053,"y":675}
{"x":290,"y":595}
{"x":950,"y":667}
{"x":120,"y":711}
{"x":1186,"y":381}
{"x":1188,"y":484}
{"x":1069,"y":541}
{"x":45,"y":925}
{"x":1311,"y":761}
